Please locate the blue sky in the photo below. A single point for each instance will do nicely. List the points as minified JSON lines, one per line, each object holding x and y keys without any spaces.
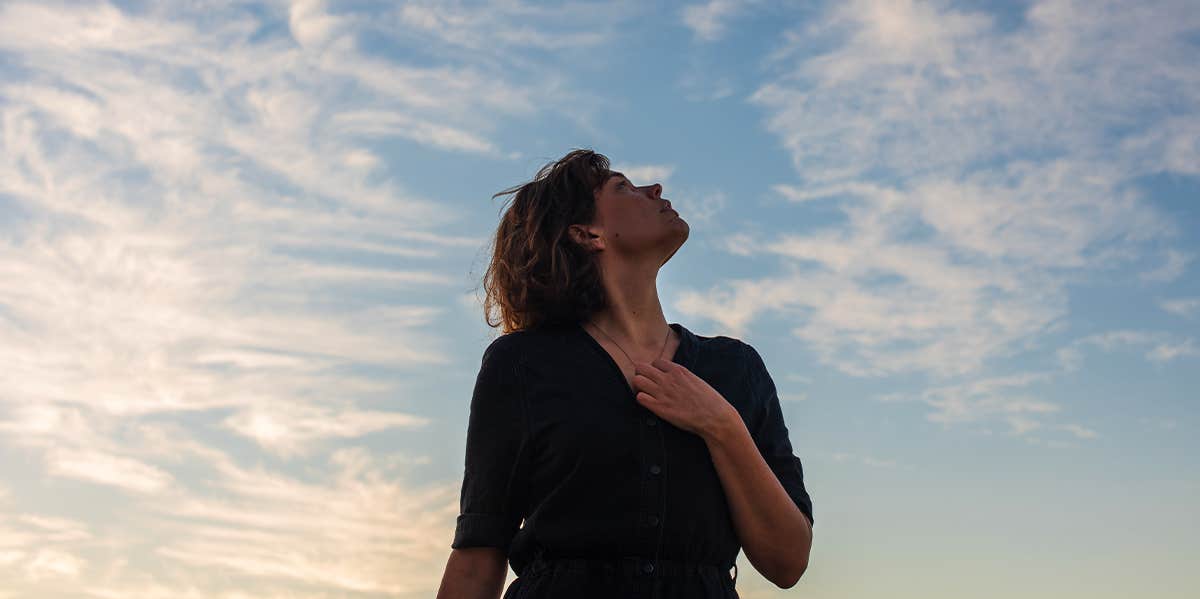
{"x":240,"y":321}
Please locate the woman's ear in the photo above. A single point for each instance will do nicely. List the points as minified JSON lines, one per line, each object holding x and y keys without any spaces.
{"x":586,"y":237}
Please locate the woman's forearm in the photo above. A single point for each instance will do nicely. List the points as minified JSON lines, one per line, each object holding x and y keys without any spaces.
{"x":474,"y":573}
{"x":775,"y":534}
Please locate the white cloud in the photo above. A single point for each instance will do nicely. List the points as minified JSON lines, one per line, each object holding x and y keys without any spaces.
{"x":1161,"y":346}
{"x":355,"y":529}
{"x":1174,"y":266}
{"x":1080,"y":431}
{"x":485,"y":25}
{"x":377,"y":123}
{"x":701,"y":207}
{"x":57,"y":529}
{"x":1185,"y":307}
{"x":867,"y":460}
{"x":41,"y":551}
{"x":978,"y":169}
{"x":310,"y":24}
{"x":647,"y":174}
{"x":209,"y":252}
{"x":798,"y":396}
{"x":709,"y":21}
{"x":53,"y":563}
{"x":699,"y":85}
{"x":290,"y":428}
{"x":1167,"y":352}
{"x":982,"y":400}
{"x":915,"y":88}
{"x":107,"y":469}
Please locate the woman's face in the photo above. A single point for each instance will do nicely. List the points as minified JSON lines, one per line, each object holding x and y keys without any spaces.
{"x":636,"y":221}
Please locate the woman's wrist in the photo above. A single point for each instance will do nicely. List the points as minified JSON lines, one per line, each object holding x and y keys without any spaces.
{"x":725,"y":428}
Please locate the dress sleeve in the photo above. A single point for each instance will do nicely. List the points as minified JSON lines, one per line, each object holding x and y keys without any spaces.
{"x":771,"y":434}
{"x":495,"y":476}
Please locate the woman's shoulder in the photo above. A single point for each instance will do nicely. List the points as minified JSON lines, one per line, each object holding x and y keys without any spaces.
{"x":724,"y":345}
{"x":506,"y":343}
{"x":733,"y":353}
{"x":518,"y":342}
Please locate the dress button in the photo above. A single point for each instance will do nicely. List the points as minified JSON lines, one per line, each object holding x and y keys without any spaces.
{"x":655,"y":469}
{"x":647,"y":567}
{"x":651,"y":421}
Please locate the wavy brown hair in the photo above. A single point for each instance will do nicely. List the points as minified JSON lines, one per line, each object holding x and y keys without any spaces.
{"x":538,"y":276}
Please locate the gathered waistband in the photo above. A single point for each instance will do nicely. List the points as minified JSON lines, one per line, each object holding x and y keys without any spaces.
{"x":635,"y":566}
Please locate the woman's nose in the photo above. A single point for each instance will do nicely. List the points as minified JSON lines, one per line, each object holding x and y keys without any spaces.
{"x":656,"y":190}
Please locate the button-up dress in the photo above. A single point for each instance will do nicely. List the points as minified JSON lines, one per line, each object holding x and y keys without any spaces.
{"x":591,"y":494}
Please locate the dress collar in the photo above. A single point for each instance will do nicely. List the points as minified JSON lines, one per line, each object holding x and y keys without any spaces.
{"x":685,"y":354}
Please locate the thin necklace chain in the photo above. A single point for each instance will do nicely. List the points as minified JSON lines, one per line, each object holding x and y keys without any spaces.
{"x":664,"y":347}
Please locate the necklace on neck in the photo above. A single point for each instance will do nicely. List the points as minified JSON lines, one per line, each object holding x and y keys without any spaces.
{"x":664,"y":347}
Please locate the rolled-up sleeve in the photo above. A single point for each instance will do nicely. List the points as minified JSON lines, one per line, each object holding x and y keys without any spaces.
{"x":494,"y":484}
{"x":771,"y":434}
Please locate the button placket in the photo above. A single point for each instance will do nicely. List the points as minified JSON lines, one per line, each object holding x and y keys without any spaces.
{"x":653,"y":491}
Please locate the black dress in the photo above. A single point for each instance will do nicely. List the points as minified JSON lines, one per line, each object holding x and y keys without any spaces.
{"x":615,"y":501}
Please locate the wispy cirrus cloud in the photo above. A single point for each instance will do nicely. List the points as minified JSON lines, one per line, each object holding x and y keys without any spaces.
{"x":710,"y":20}
{"x":1172,"y":268}
{"x":867,"y":460}
{"x":646,"y":174}
{"x":1157,"y":346}
{"x":224,"y":304}
{"x":979,"y":170}
{"x":1185,"y":307}
{"x":203,"y":264}
{"x":475,"y":25}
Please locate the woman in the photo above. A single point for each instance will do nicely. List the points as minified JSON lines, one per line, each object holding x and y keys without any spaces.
{"x":639,"y":457}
